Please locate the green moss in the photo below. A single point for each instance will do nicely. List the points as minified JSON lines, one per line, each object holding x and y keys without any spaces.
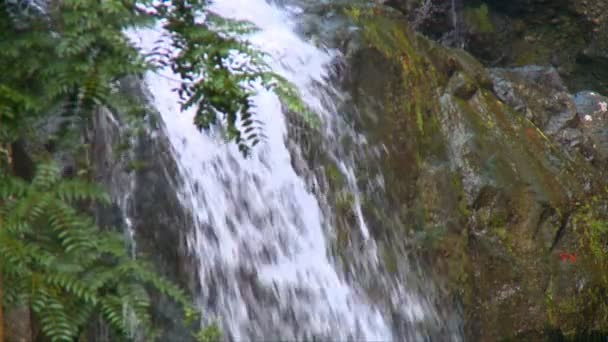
{"x":419,"y":119}
{"x":430,"y":238}
{"x":478,"y":18}
{"x":458,"y":265}
{"x":537,"y":46}
{"x":418,"y":78}
{"x":502,"y":233}
{"x":585,"y":308}
{"x":531,"y":53}
{"x":344,"y":201}
{"x":135,"y":165}
{"x":458,"y":188}
{"x":334,"y":176}
{"x":391,"y":261}
{"x":506,"y":239}
{"x":417,"y":103}
{"x":342,"y":241}
{"x":498,"y":220}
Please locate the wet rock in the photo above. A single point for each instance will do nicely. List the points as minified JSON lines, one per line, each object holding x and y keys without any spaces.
{"x":433,"y":17}
{"x":480,"y":161}
{"x":590,"y":103}
{"x":19,"y":327}
{"x":571,"y":137}
{"x":592,"y":109}
{"x":145,"y":206}
{"x":539,"y":94}
{"x":571,"y":35}
{"x":461,"y":86}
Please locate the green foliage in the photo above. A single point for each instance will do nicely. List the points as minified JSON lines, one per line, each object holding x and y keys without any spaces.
{"x":429,"y":237}
{"x":71,"y":60}
{"x":591,"y":226}
{"x":57,"y":261}
{"x":585,"y":309}
{"x":211,"y":333}
{"x":594,"y":229}
{"x":220,"y":70}
{"x":479,"y":18}
{"x":65,"y":62}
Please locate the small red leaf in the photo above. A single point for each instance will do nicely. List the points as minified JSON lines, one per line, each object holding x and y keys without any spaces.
{"x":565,"y":256}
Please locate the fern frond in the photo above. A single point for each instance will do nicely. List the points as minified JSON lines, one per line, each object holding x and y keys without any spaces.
{"x":76,"y":190}
{"x":46,"y":176}
{"x":55,"y":258}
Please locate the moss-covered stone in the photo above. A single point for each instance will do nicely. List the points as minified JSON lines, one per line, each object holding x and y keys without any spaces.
{"x":462,"y":161}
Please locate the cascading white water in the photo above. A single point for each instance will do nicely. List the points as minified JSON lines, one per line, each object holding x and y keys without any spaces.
{"x":259,"y":234}
{"x":456,"y":25}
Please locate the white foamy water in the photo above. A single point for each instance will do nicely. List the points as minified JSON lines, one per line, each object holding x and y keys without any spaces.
{"x":264,"y":265}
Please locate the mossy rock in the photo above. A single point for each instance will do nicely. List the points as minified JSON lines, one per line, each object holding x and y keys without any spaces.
{"x":459,"y":157}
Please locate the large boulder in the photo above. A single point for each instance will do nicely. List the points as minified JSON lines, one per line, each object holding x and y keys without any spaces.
{"x":472,"y":161}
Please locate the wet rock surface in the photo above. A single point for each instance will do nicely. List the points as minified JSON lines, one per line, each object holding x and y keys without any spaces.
{"x":488,"y":164}
{"x":141,"y":178}
{"x":570,"y":35}
{"x":592,"y":111}
{"x":577,"y":121}
{"x":539,"y":93}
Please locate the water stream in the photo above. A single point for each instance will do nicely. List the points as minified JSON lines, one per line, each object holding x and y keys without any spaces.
{"x":456,"y":24}
{"x":261,"y":237}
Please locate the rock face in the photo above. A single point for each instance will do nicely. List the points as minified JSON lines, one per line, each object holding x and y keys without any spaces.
{"x":539,"y":94}
{"x":496,"y":163}
{"x":592,"y":109}
{"x":571,"y":35}
{"x":142,"y":179}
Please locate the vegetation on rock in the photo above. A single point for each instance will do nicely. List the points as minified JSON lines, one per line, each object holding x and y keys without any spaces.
{"x":474,"y":180}
{"x":63,"y":60}
{"x":519,"y":249}
{"x":58,"y":262}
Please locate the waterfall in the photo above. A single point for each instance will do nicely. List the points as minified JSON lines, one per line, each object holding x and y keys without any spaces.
{"x":458,"y":38}
{"x":259,"y":234}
